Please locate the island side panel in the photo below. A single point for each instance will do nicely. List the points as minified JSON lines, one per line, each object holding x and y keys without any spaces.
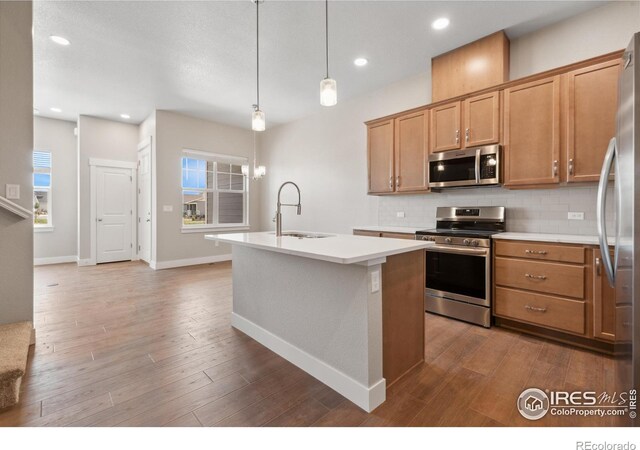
{"x":403,"y":276}
{"x":319,"y":315}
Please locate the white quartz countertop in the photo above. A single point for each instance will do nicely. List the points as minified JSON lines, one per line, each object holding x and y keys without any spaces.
{"x":385,"y":229}
{"x":550,"y":237}
{"x":338,"y":248}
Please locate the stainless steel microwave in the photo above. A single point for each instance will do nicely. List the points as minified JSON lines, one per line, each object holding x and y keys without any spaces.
{"x":465,"y":168}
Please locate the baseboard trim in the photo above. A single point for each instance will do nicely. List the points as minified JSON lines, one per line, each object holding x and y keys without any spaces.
{"x":54,"y":260}
{"x":86,"y":262}
{"x":159,"y":265}
{"x":367,"y":398}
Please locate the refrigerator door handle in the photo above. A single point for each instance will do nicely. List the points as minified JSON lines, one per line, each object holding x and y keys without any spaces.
{"x":601,"y":210}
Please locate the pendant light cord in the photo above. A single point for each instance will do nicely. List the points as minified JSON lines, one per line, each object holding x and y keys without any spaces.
{"x":257,"y":53}
{"x":326,"y":29}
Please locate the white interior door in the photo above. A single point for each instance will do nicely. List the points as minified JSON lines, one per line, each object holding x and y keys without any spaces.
{"x":113,"y":214}
{"x":144,"y":203}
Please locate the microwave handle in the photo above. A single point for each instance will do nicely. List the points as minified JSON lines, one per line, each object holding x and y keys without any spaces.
{"x":478,"y":166}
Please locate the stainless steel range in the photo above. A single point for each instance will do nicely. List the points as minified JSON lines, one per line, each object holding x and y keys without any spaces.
{"x":458,"y":266}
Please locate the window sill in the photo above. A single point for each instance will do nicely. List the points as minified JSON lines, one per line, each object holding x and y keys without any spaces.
{"x":43,"y":229}
{"x":213,"y":229}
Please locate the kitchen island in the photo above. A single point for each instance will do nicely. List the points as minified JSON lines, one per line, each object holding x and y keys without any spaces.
{"x":323,"y":301}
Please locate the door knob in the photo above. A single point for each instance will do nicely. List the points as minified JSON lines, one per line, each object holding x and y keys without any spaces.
{"x":99,"y":220}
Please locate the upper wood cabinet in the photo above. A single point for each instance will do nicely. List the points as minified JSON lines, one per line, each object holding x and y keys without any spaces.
{"x":471,"y":123}
{"x":591,"y":107}
{"x":380,"y":156}
{"x":532,"y":133}
{"x":478,"y":65}
{"x":411,"y":152}
{"x":482,"y":120}
{"x":445,"y":127}
{"x":398,"y":153}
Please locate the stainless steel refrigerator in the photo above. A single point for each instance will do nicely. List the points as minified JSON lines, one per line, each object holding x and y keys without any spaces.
{"x":623,"y":267}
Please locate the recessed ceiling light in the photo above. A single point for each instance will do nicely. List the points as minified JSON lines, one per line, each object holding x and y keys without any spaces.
{"x":58,"y":110}
{"x":440,"y":24}
{"x":125,"y":116}
{"x":360,"y":62}
{"x":60,"y":40}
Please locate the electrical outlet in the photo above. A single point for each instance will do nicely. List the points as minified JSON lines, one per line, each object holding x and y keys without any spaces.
{"x":167,"y":208}
{"x":575,"y":216}
{"x":12,"y":191}
{"x":400,"y":214}
{"x":375,"y":281}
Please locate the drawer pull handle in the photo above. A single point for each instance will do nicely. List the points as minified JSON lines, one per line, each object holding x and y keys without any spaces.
{"x":535,"y":277}
{"x":535,"y":252}
{"x":535,"y":309}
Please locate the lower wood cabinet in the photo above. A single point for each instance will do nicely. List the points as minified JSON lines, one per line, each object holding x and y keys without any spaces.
{"x":385,"y":234}
{"x":556,"y":290}
{"x":604,"y":302}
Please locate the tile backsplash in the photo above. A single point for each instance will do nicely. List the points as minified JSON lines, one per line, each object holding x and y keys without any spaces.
{"x":533,"y":211}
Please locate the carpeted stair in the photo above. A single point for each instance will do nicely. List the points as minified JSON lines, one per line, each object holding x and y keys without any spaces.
{"x":14,"y":347}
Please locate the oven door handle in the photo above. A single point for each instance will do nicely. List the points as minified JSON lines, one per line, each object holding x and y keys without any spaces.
{"x":457,"y":250}
{"x":478,"y":166}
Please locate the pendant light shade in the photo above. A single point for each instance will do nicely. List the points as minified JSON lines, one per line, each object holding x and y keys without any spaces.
{"x":328,"y":92}
{"x":257,"y":120}
{"x":328,"y":86}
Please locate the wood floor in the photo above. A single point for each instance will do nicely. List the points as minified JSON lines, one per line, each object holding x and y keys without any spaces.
{"x":123,"y":345}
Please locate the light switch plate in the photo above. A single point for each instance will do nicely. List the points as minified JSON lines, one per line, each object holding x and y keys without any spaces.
{"x":167,"y":208}
{"x":400,"y":214}
{"x":12,"y":191}
{"x":575,"y":216}
{"x":375,"y":281}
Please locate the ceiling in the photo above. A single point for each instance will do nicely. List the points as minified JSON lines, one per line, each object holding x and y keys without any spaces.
{"x":199,"y":57}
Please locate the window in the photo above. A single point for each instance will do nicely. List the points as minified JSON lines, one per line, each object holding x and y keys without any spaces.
{"x":42,"y":189}
{"x":214,"y":192}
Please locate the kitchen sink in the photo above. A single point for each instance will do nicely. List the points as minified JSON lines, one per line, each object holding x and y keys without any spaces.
{"x":300,"y":235}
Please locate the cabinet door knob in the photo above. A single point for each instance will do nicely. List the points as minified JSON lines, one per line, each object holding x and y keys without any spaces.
{"x":466,"y":135}
{"x":535,"y":277}
{"x":535,"y":252}
{"x":390,"y":182}
{"x":571,"y":166}
{"x":535,"y":309}
{"x":598,"y":266}
{"x":398,"y":181}
{"x":457,"y":136}
{"x":555,"y":167}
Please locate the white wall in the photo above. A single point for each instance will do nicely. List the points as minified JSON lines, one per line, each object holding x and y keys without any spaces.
{"x":174,"y":133}
{"x":16,"y":146}
{"x":104,"y":139}
{"x":326,"y":153}
{"x":59,"y":243}
{"x":595,"y":32}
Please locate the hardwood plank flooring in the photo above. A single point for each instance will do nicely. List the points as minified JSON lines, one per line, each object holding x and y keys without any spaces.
{"x":123,"y":345}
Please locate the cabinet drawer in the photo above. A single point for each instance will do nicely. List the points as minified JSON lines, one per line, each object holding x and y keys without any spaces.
{"x":540,"y":250}
{"x":545,"y":310}
{"x":552,"y":278}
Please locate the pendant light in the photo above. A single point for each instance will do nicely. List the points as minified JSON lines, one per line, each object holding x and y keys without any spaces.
{"x":328,"y":86}
{"x":257,"y":117}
